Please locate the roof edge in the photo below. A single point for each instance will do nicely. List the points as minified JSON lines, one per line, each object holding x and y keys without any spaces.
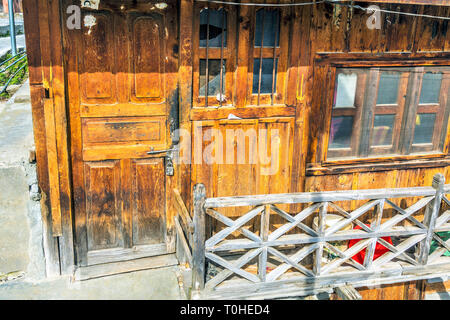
{"x":415,"y":2}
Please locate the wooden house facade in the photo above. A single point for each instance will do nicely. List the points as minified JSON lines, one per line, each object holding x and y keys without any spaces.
{"x":119,"y":89}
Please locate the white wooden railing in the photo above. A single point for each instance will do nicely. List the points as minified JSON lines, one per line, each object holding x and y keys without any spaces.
{"x":290,"y":244}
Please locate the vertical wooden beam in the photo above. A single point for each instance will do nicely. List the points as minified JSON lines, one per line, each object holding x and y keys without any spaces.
{"x":171,"y":65}
{"x":320,"y":232}
{"x":264,"y":234}
{"x":367,"y":114}
{"x":33,"y":33}
{"x":376,"y":221}
{"x":431,"y":214}
{"x":185,"y":93}
{"x":244,"y":29}
{"x":59,"y":101}
{"x":198,"y":250}
{"x":53,"y":174}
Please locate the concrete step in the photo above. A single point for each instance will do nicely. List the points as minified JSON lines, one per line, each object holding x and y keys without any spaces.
{"x":22,"y":95}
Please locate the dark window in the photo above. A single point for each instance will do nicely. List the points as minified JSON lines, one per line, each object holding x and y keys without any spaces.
{"x":341,"y":132}
{"x":388,"y":88}
{"x":217,"y":28}
{"x":431,"y":86}
{"x":267,"y":73}
{"x":383,"y":125}
{"x":423,"y":132}
{"x":267,"y":23}
{"x":213,"y":77}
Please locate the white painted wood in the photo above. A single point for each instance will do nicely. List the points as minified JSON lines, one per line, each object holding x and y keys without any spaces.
{"x":348,"y":293}
{"x":228,"y":222}
{"x":326,"y":196}
{"x":226,"y":264}
{"x":297,"y":219}
{"x":224,"y":274}
{"x":293,"y":275}
{"x":354,"y":215}
{"x":296,"y":258}
{"x":237,"y":225}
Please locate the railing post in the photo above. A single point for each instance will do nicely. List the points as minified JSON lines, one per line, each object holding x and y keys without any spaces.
{"x":431,"y":214}
{"x":12,"y":27}
{"x":198,"y":249}
{"x":264,"y":234}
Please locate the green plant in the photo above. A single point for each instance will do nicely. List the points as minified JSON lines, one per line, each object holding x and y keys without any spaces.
{"x":14,"y":71}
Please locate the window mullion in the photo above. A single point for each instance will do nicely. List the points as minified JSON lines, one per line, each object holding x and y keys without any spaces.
{"x":367,"y":112}
{"x":411,"y":105}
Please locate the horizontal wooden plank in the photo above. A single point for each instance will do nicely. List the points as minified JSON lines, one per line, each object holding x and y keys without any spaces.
{"x":107,"y":269}
{"x":121,"y":151}
{"x":248,"y":112}
{"x":113,"y":130}
{"x":296,"y":239}
{"x":327,"y":196}
{"x":115,"y":255}
{"x":292,"y":285}
{"x":421,"y":2}
{"x":122,"y":110}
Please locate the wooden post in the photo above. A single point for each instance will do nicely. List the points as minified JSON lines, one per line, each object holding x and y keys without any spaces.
{"x":198,"y":249}
{"x":431,"y":214}
{"x":321,"y":232}
{"x":264,"y":233}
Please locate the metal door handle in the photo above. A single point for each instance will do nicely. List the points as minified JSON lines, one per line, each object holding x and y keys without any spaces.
{"x":159,"y":151}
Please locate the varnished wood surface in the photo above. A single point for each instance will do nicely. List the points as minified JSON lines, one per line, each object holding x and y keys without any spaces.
{"x":117,"y":75}
{"x":121,"y":83}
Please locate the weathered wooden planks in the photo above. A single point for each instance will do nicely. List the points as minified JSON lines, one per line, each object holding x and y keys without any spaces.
{"x":395,"y":263}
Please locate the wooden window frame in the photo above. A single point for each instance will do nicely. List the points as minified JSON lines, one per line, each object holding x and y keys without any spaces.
{"x":325,"y":66}
{"x":228,"y":55}
{"x":239,"y":55}
{"x":281,"y":54}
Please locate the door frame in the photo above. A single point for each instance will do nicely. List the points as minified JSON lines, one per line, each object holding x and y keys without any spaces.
{"x":73,"y":99}
{"x":48,"y":73}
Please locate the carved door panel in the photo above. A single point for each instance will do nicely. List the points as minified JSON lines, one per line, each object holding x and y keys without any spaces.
{"x":121,"y":75}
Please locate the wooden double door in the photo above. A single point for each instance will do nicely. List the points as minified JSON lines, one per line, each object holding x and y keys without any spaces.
{"x":121,"y":81}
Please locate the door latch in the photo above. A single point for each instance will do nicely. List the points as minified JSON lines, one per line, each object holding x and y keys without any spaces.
{"x":168,"y":165}
{"x":168,"y":162}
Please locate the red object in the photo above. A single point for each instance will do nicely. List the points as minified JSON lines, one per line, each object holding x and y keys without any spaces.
{"x":379,"y":248}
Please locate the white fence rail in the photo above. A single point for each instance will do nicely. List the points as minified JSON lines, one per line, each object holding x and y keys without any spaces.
{"x":295,"y":258}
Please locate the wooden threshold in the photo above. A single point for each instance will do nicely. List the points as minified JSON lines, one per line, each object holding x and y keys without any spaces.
{"x":118,"y":255}
{"x":108,"y":269}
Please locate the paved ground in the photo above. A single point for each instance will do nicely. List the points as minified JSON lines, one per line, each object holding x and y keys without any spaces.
{"x":16,"y":127}
{"x":161,"y":284}
{"x":5,"y":43}
{"x":16,"y":138}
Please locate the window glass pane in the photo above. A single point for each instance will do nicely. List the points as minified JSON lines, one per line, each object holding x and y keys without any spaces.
{"x":217,"y":19}
{"x":214,"y":77}
{"x":423,"y":133}
{"x":383,"y":125}
{"x":266,"y":75}
{"x":271,"y":27}
{"x":431,"y":86}
{"x":388,"y":88}
{"x":341,"y":132}
{"x":345,"y":90}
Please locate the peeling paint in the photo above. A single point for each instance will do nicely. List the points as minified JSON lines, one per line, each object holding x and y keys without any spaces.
{"x":89,"y":21}
{"x":161,"y":5}
{"x":92,"y":4}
